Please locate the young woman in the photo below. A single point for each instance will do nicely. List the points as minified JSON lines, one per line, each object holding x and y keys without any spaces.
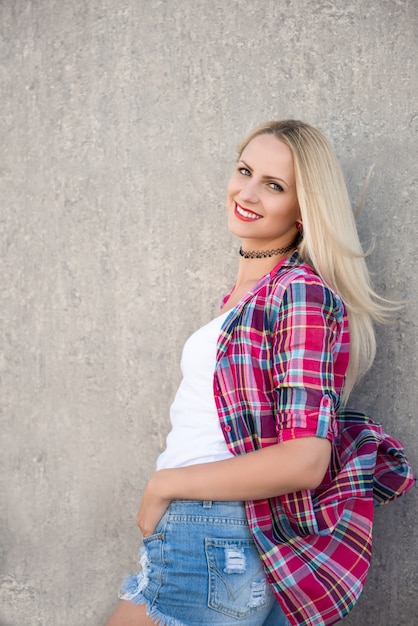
{"x":260,"y":510}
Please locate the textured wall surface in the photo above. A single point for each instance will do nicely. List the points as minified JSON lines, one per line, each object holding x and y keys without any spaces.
{"x":118,"y":122}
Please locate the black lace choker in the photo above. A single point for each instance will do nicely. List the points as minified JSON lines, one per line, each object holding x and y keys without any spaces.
{"x":264,"y":254}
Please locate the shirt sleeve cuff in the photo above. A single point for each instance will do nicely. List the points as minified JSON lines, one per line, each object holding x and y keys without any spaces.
{"x":318,"y":423}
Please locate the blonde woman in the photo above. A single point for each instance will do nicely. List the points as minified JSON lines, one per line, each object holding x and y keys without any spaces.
{"x":260,"y":510}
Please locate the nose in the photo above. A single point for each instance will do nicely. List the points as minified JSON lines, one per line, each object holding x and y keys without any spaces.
{"x":249,"y":192}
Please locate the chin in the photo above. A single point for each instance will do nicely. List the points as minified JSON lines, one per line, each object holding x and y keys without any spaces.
{"x":238,"y":232}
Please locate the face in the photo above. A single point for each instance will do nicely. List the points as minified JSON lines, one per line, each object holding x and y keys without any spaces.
{"x":261,"y":200}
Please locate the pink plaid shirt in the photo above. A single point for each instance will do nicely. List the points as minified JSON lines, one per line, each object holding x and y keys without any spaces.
{"x":281,"y":362}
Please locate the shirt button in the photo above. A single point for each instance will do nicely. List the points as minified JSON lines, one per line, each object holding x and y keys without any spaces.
{"x":326,"y":402}
{"x":227,"y":429}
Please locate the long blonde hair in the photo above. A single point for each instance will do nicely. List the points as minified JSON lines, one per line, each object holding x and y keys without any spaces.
{"x":330,"y":243}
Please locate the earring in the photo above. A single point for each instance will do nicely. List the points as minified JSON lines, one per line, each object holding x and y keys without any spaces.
{"x":299,"y":228}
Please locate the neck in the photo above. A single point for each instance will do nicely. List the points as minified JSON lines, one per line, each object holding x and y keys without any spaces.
{"x":256,"y":263}
{"x":251,"y":270}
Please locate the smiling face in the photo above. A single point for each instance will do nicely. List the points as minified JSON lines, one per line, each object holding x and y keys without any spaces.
{"x":261,"y":199}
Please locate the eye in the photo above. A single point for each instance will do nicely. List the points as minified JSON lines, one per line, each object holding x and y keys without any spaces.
{"x":244,"y":171}
{"x":276,"y":187}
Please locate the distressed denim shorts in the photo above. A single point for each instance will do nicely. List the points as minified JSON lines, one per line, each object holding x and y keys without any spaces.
{"x":201,"y":567}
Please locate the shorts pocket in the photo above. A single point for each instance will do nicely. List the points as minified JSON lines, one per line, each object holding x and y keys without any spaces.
{"x":158,"y":534}
{"x":154,"y":544}
{"x":237,"y":584}
{"x":155,"y":537}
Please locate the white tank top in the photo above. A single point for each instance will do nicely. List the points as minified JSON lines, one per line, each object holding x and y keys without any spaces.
{"x":196,"y":435}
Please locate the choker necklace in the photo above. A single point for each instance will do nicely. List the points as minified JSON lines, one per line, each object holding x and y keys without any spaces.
{"x":264,"y":254}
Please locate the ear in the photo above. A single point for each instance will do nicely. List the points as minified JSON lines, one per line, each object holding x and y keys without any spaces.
{"x":299,"y":226}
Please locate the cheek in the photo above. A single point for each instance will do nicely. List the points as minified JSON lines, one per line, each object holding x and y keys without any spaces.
{"x":288,"y":211}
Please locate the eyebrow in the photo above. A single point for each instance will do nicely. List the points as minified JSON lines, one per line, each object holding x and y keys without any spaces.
{"x":264,"y":177}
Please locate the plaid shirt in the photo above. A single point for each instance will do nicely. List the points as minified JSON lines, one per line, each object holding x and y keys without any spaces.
{"x":281,"y":362}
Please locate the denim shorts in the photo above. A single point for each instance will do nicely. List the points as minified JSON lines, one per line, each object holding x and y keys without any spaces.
{"x":201,"y":567}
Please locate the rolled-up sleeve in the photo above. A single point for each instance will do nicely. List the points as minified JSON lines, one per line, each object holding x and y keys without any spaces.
{"x":310,"y":358}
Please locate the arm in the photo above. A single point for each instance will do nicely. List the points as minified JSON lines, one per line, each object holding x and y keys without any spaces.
{"x":305,"y":334}
{"x":276,"y":470}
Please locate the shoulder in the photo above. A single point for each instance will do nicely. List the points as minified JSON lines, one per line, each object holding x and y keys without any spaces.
{"x":297,"y":286}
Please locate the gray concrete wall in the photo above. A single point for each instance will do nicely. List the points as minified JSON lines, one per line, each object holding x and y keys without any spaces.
{"x":118,"y":126}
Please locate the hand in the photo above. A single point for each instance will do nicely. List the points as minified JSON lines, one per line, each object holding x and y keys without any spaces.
{"x":153,"y":505}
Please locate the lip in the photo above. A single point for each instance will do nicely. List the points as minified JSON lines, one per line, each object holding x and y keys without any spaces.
{"x":245,"y":218}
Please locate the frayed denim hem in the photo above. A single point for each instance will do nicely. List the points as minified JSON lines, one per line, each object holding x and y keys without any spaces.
{"x":134,"y":584}
{"x":156,"y":615}
{"x":132,"y":588}
{"x":163,"y":620}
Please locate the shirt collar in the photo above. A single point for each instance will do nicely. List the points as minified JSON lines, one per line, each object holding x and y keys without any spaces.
{"x":291,"y":261}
